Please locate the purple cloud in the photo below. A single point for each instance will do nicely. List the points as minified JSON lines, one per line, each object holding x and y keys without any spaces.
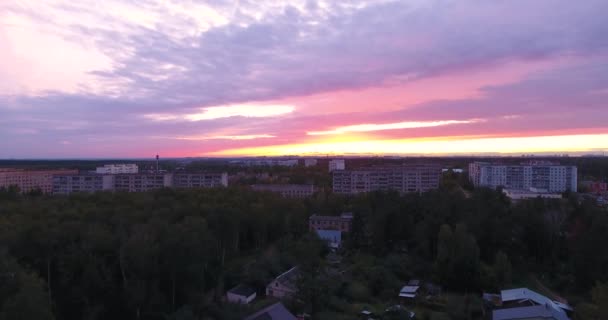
{"x":262,"y":51}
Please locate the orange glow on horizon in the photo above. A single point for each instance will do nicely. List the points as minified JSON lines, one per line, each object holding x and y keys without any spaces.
{"x":431,"y":146}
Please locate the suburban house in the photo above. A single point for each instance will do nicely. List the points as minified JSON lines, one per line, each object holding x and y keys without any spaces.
{"x":409,"y":292}
{"x":285,"y":285}
{"x":241,"y":294}
{"x":333,"y":238}
{"x":415,"y":288}
{"x":523,"y":304}
{"x":276,"y":311}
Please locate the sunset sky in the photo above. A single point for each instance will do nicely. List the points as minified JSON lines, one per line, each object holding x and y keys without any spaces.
{"x":136,"y":78}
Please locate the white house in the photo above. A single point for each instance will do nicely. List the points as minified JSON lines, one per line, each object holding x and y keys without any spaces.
{"x":409,"y":292}
{"x":241,"y":294}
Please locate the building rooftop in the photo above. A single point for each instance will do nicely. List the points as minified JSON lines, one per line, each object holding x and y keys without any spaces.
{"x":558,"y":309}
{"x":289,"y":277}
{"x":242,"y":290}
{"x":306,"y":187}
{"x":337,"y":218}
{"x":524,"y":294}
{"x":330,"y":235}
{"x":526,"y":313}
{"x":276,"y":311}
{"x":408,"y":291}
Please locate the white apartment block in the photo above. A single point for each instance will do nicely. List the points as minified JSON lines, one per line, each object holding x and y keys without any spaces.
{"x":29,"y":180}
{"x":337,"y":164}
{"x":142,"y":182}
{"x":310,"y":162}
{"x":540,"y":175}
{"x":287,"y":190}
{"x":267,"y":162}
{"x":65,"y":184}
{"x":120,"y":168}
{"x":200,"y":180}
{"x":533,"y":193}
{"x":404,"y":178}
{"x":135,"y":182}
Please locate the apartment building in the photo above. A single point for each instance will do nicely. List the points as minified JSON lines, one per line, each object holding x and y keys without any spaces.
{"x":287,"y":190}
{"x":533,"y":193}
{"x":310,"y":162}
{"x":65,"y":184}
{"x":267,"y":162}
{"x":121,"y":168}
{"x":200,"y":180}
{"x":544,"y":175}
{"x":336,"y":164}
{"x":404,"y":178}
{"x":142,"y":182}
{"x":29,"y":180}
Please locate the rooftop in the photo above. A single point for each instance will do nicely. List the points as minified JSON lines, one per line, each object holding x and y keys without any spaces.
{"x":276,"y":311}
{"x":289,"y":277}
{"x":524,"y":294}
{"x":306,"y":187}
{"x":525,"y":313}
{"x":344,"y":216}
{"x":242,"y":290}
{"x":331,"y":235}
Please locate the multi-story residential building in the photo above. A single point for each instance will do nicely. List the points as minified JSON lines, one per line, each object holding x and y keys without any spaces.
{"x":533,"y":193}
{"x":29,"y":180}
{"x":267,"y":162}
{"x":142,"y":182}
{"x":200,"y":180}
{"x":343,"y":223}
{"x":541,"y":175}
{"x":69,"y":183}
{"x":92,"y":182}
{"x":336,"y":164}
{"x":404,"y":178}
{"x":310,"y":162}
{"x":120,"y":168}
{"x":287,"y":190}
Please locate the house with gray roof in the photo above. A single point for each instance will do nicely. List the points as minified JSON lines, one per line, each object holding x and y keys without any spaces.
{"x":285,"y":285}
{"x":241,"y":294}
{"x":538,"y":312}
{"x":276,"y":311}
{"x":409,"y":292}
{"x":525,"y":304}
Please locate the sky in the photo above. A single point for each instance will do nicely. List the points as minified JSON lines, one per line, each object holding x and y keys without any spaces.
{"x":220,"y":78}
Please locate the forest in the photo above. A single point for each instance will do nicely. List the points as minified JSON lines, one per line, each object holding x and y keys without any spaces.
{"x":172,"y":254}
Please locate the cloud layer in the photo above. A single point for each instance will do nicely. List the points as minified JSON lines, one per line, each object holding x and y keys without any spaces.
{"x":189,"y":77}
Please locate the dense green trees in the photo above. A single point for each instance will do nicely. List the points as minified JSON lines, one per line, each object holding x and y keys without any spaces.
{"x":172,"y":254}
{"x":22,"y":293}
{"x":143,"y":255}
{"x":457,"y":260}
